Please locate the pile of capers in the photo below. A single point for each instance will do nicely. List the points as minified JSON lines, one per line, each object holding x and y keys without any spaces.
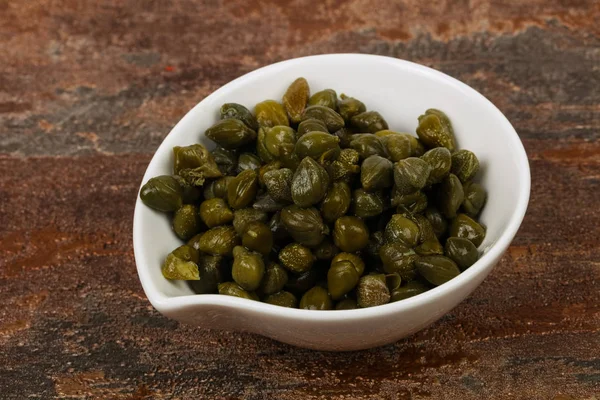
{"x":312,"y":202}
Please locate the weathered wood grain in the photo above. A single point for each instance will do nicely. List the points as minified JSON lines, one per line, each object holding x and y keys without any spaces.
{"x":89,"y":89}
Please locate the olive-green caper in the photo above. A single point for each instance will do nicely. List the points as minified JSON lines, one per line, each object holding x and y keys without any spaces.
{"x":274,"y":279}
{"x":315,"y":144}
{"x":356,"y":261}
{"x":264,"y":202}
{"x":393,"y":281}
{"x":346,"y":304}
{"x":296,"y":258}
{"x":230,"y":133}
{"x":368,"y":145}
{"x":426,"y":231}
{"x":248,"y":268}
{"x":181,"y":264}
{"x":162,"y":193}
{"x":336,"y":201}
{"x":258,"y":237}
{"x":326,"y":250}
{"x":369,"y":121}
{"x":345,"y":166}
{"x":295,"y":99}
{"x":248,"y":161}
{"x":233,"y":289}
{"x":190,"y":194}
{"x":437,"y":270}
{"x":365,"y":205}
{"x":186,"y":222}
{"x":450,"y":195}
{"x":462,"y":251}
{"x":282,"y":299}
{"x":226,"y":160}
{"x":215,"y":212}
{"x":409,"y":290}
{"x":411,"y":174}
{"x":311,"y":125}
{"x":376,"y":173}
{"x":194,"y":164}
{"x":437,"y":220}
{"x":413,"y":202}
{"x":305,"y":225}
{"x":275,"y":143}
{"x":219,"y":240}
{"x":350,"y":234}
{"x":217,"y":188}
{"x":242,"y":218}
{"x":316,"y":298}
{"x":242,"y":190}
{"x":341,"y":279}
{"x":398,"y":258}
{"x":270,"y":113}
{"x":278,"y":183}
{"x":238,"y":111}
{"x":309,"y":183}
{"x":398,"y":145}
{"x":210,"y":270}
{"x":435,"y":130}
{"x":465,"y":165}
{"x":430,"y":247}
{"x":475,"y":197}
{"x":439,"y":159}
{"x":465,"y":227}
{"x":402,"y":229}
{"x":349,"y":107}
{"x":332,"y":120}
{"x":372,"y":291}
{"x":270,"y":166}
{"x":325,"y":98}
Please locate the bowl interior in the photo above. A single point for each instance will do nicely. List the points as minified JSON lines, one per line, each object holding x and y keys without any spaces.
{"x":400,"y":91}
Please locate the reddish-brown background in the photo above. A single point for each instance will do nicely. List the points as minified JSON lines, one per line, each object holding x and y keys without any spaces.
{"x":89,"y":89}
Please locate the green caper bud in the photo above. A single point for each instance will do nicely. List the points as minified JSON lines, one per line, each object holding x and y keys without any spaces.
{"x":295,"y":99}
{"x":368,"y":145}
{"x":450,"y":196}
{"x":316,"y":298}
{"x":372,"y":291}
{"x":465,"y":227}
{"x":241,"y":191}
{"x":226,"y":160}
{"x":186,"y":222}
{"x":230,"y":133}
{"x":341,"y":279}
{"x":413,"y":202}
{"x":275,"y":143}
{"x":409,"y":290}
{"x":325,"y":98}
{"x":233,"y":289}
{"x":376,"y":173}
{"x":365,"y":205}
{"x":336,"y":201}
{"x":305,"y":225}
{"x":462,"y":251}
{"x":270,"y":113}
{"x":217,"y":188}
{"x":326,"y":250}
{"x":264,"y":202}
{"x":248,"y":161}
{"x":332,"y":120}
{"x":465,"y":165}
{"x":435,"y":130}
{"x":215,"y":212}
{"x":311,"y":125}
{"x":258,"y":237}
{"x":238,"y":111}
{"x":439,"y":159}
{"x":475,"y":197}
{"x":242,"y":218}
{"x":193,"y":164}
{"x":274,"y":279}
{"x":426,"y":231}
{"x":278,"y":183}
{"x":398,"y":258}
{"x":430,"y":247}
{"x":270,"y":166}
{"x":162,"y":193}
{"x":349,"y":107}
{"x":283,"y":299}
{"x":354,"y":259}
{"x":411,"y":174}
{"x":437,"y":220}
{"x":398,"y":145}
{"x":346,"y":304}
{"x":402,"y":229}
{"x":219,"y":240}
{"x":181,"y":264}
{"x":345,"y":167}
{"x":296,"y":258}
{"x":248,"y":268}
{"x":210,"y":271}
{"x":315,"y":144}
{"x":437,"y":270}
{"x":369,"y":121}
{"x":309,"y":183}
{"x":190,"y":194}
{"x":350,"y":234}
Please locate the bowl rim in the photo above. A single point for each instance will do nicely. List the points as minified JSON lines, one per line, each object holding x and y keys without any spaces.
{"x":165,"y":303}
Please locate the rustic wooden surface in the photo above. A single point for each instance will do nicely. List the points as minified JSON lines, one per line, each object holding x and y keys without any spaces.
{"x":89,"y":89}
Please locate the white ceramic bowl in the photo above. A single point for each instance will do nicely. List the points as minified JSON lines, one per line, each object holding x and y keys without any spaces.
{"x":400,"y":91}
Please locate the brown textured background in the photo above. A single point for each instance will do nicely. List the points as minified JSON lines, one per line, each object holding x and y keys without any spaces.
{"x":88,"y":89}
